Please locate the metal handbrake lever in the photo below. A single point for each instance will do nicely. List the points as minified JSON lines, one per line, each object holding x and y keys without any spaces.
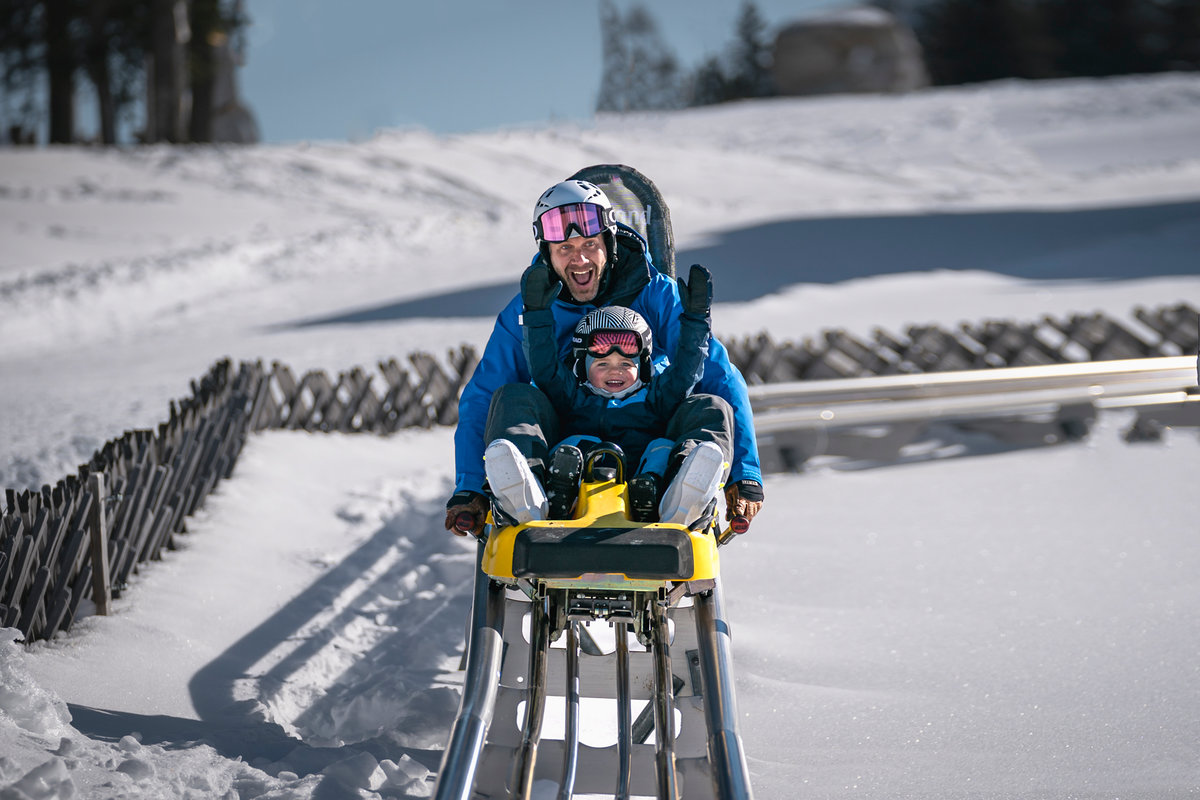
{"x":737,"y":526}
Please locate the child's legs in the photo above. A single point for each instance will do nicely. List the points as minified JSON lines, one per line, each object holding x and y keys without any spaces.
{"x":656,"y":457}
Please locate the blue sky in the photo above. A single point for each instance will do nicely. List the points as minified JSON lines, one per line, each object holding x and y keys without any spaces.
{"x":320,"y":69}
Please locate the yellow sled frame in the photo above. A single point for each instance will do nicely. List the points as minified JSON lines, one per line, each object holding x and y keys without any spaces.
{"x":602,"y":505}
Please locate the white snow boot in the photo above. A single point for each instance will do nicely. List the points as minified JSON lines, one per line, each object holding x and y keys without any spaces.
{"x":515,"y":488}
{"x":694,"y":486}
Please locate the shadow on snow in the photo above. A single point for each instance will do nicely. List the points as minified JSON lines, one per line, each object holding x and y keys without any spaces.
{"x":749,"y":263}
{"x":362,"y":653}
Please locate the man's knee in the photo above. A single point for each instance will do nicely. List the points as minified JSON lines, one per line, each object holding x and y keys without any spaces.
{"x":702,"y":412}
{"x":521,"y":413}
{"x":519,"y":395}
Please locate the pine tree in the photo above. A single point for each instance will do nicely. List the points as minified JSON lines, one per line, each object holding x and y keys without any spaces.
{"x":1109,"y":37}
{"x":709,"y":84}
{"x":967,"y":41}
{"x":750,"y":56}
{"x":639,"y":72}
{"x":1182,"y":20}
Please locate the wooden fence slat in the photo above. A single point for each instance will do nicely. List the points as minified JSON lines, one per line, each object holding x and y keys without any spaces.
{"x":73,"y":555}
{"x":32,"y":607}
{"x":98,"y":535}
{"x":402,"y":402}
{"x":9,"y":550}
{"x":79,"y":588}
{"x":437,"y":390}
{"x":56,"y":612}
{"x":21,"y":572}
{"x":127,"y":542}
{"x":161,"y":529}
{"x":154,"y":504}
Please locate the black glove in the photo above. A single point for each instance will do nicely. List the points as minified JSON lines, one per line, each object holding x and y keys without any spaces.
{"x":696,"y":294}
{"x":469,"y":502}
{"x":539,"y":287}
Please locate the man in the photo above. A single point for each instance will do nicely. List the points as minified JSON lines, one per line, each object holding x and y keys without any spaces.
{"x":599,"y":263}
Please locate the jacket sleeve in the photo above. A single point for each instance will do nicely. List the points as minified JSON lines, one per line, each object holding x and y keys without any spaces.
{"x":502,"y":362}
{"x":659,"y":303}
{"x":549,"y":372}
{"x":676,"y":382}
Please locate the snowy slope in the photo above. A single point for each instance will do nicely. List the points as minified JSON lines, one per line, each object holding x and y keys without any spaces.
{"x":1020,"y":625}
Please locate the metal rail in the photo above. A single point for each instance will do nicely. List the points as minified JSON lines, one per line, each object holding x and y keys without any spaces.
{"x":571,"y":737}
{"x":480,"y":687}
{"x":730,"y":775}
{"x":521,"y":783}
{"x":1001,"y":391}
{"x":664,"y":706}
{"x":624,"y":714}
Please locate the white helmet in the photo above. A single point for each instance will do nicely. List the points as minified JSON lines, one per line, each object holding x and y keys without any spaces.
{"x":578,"y":208}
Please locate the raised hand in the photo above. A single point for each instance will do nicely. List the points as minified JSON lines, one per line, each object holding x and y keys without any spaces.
{"x":539,"y":287}
{"x":696,"y":294}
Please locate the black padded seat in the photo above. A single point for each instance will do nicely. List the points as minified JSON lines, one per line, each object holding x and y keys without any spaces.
{"x":637,"y":553}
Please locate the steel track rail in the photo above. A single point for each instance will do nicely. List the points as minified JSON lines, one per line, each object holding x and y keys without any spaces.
{"x":1011,"y":391}
{"x":664,"y":706}
{"x":727,"y":758}
{"x":485,"y":649}
{"x":624,"y":714}
{"x":521,"y":783}
{"x":566,"y":789}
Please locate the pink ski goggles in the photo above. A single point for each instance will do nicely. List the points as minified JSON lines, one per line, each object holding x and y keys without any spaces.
{"x":587,"y":219}
{"x":627,"y":343}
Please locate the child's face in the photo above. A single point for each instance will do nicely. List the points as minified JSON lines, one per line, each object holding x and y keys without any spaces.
{"x":612,"y":373}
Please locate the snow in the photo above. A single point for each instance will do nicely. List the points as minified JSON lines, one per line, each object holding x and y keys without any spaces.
{"x":1021,"y":624}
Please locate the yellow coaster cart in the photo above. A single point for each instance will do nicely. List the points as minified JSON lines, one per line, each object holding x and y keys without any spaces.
{"x":550,"y":582}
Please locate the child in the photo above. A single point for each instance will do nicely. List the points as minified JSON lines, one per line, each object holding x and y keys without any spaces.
{"x":609,"y":392}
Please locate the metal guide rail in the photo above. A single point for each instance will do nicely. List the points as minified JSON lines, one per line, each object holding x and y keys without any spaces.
{"x":1097,"y":379}
{"x":876,"y":417}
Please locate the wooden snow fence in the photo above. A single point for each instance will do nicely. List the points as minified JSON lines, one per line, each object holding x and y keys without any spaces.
{"x":1167,"y":331}
{"x":84,"y":537}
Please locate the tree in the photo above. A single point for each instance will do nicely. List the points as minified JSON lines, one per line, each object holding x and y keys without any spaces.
{"x":750,"y":56}
{"x":114,"y":57}
{"x":1108,"y":37}
{"x":61,"y":58}
{"x":744,"y":72}
{"x":639,"y":73}
{"x":21,"y":57}
{"x":976,"y":40}
{"x":967,"y":41}
{"x":111,"y":43}
{"x":1183,"y":34}
{"x":710,"y":84}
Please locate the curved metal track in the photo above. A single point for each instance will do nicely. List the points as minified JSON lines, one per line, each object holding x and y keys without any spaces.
{"x":679,"y":668}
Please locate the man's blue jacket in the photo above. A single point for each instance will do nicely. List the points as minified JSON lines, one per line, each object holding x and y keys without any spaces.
{"x":629,"y":280}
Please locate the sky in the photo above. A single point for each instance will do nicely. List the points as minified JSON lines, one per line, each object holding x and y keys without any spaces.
{"x":1021,"y":623}
{"x":317,"y":69}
